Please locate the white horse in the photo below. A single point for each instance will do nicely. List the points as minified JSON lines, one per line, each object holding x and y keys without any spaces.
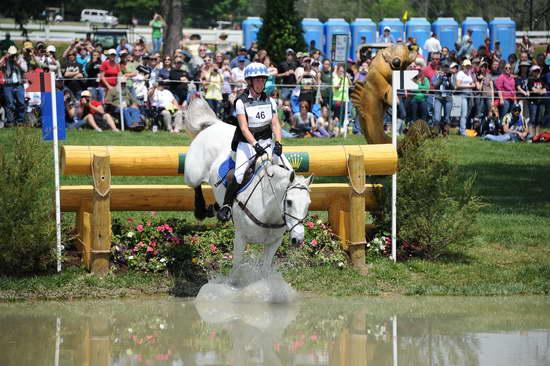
{"x":275,"y":201}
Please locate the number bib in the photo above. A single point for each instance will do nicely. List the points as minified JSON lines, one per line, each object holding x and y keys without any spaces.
{"x":259,"y":115}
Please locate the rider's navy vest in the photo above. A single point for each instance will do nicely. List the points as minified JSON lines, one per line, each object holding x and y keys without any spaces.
{"x":259,"y":114}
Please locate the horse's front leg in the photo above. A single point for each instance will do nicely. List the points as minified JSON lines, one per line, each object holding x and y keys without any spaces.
{"x":270,"y":250}
{"x":236,"y":277}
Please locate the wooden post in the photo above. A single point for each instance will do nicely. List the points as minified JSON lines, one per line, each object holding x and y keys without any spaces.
{"x":101,"y":215}
{"x":357,"y":210}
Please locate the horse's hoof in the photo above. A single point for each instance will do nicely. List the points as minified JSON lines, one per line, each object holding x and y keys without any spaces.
{"x":211,"y":210}
{"x":200,"y":214}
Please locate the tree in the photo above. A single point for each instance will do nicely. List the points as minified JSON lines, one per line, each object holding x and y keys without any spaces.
{"x":172,"y":13}
{"x":281,"y":29}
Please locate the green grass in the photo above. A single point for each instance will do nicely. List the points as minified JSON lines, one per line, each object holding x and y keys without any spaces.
{"x":511,"y":255}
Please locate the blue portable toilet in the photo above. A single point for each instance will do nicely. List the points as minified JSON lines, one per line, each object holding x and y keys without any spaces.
{"x":479,"y":27}
{"x":395,"y":25}
{"x":447,"y":31}
{"x":334,"y":26}
{"x":313,"y":31}
{"x":361,"y":27}
{"x":503,"y":30}
{"x":419,"y":28}
{"x":251,"y":26}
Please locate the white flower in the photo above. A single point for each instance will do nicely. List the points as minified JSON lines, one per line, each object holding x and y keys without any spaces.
{"x":162,"y":260}
{"x":319,"y":222}
{"x":116,"y":248}
{"x":131,"y":257}
{"x":130,"y":234}
{"x":162,"y":326}
{"x":130,"y":330}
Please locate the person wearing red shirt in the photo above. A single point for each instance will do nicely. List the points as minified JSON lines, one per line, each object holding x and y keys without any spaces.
{"x":430,"y":71}
{"x":109,"y":71}
{"x":93,"y":113}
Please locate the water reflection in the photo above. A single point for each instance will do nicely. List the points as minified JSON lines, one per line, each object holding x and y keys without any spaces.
{"x":313,"y":331}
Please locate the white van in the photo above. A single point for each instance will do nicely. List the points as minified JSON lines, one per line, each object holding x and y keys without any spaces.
{"x":94,"y":16}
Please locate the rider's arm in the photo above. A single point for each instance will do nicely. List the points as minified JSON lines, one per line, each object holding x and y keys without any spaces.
{"x":275,"y":124}
{"x":243,"y":125}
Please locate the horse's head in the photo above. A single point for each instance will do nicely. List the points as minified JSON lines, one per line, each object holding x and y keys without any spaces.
{"x":295,"y":207}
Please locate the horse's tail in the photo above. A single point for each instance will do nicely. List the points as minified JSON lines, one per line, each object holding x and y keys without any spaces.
{"x":198,"y":116}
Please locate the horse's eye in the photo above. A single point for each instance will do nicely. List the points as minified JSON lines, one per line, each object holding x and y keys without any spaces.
{"x":288,"y":202}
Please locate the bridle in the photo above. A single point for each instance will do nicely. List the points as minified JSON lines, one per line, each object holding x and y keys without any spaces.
{"x":284,"y":214}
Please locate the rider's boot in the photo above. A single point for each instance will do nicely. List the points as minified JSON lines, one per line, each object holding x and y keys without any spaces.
{"x":224,"y":213}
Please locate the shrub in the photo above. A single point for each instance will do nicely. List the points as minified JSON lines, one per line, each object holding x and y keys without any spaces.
{"x":27,"y":220}
{"x":436,"y":205}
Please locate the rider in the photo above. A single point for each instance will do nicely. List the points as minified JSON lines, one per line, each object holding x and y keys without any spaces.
{"x":257,"y":121}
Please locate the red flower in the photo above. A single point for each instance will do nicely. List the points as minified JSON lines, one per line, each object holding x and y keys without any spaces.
{"x":313,"y":242}
{"x":130,"y":220}
{"x":153,"y":244}
{"x":193,"y":239}
{"x":213,"y":248}
{"x":310,"y":224}
{"x":160,"y":228}
{"x":149,"y":249}
{"x":139,"y":228}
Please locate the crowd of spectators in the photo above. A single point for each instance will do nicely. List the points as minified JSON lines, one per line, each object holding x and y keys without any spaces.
{"x":136,"y":83}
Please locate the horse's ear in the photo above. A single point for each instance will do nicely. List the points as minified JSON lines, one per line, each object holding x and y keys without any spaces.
{"x":292,"y":176}
{"x":309,"y":180}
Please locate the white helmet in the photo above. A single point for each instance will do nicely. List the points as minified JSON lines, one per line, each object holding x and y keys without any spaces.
{"x":255,"y":69}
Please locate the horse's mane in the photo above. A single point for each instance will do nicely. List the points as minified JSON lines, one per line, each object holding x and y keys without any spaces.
{"x":197,"y":117}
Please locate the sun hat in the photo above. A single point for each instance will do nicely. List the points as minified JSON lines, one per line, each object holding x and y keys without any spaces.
{"x":534,"y":68}
{"x":50,"y":48}
{"x":454,"y":64}
{"x":387,"y":28}
{"x":466,"y":63}
{"x":111,"y":51}
{"x":85,"y":93}
{"x":12,"y":50}
{"x":27,"y":44}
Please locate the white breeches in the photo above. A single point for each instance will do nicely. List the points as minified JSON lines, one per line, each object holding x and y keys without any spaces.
{"x":245,"y":152}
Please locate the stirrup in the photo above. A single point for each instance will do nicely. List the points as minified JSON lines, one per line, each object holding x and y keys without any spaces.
{"x":224,"y":213}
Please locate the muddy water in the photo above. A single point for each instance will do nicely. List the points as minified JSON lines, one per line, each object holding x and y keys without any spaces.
{"x":312,"y":331}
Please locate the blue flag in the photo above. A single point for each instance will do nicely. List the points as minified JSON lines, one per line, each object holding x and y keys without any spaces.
{"x":47,"y":121}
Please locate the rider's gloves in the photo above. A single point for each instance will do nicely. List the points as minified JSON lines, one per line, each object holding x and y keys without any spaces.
{"x":278,"y":149}
{"x":259,"y":149}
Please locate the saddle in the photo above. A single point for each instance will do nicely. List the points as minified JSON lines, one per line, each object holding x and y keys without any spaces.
{"x":226,"y":173}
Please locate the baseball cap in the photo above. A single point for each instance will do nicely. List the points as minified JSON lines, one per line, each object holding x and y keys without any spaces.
{"x":306,"y":59}
{"x":27,"y":44}
{"x":124,"y":53}
{"x":299,"y":54}
{"x":50,"y":48}
{"x":111,"y":51}
{"x":289,"y":50}
{"x":444,"y":63}
{"x":85,"y":93}
{"x":516,"y":107}
{"x":387,"y":28}
{"x":534,"y":68}
{"x":466,"y":63}
{"x":241,"y":58}
{"x":525,"y":63}
{"x":475,"y":60}
{"x":454,"y":64}
{"x":12,"y":50}
{"x":242,"y":49}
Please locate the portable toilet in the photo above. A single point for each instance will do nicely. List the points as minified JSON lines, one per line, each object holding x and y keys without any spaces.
{"x":419,"y":28}
{"x":251,"y":26}
{"x":503,"y":30}
{"x":447,"y":31}
{"x":395,"y":25}
{"x":313,"y":31}
{"x":479,"y":27}
{"x":363,"y":30}
{"x":335,"y":26}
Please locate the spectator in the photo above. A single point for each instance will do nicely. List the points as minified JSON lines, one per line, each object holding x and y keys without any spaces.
{"x":253,"y":51}
{"x":235,"y":62}
{"x":164,"y":72}
{"x":223,"y":46}
{"x":522,"y":90}
{"x":340,"y":92}
{"x":125,"y":99}
{"x":163,"y":100}
{"x":93,"y":70}
{"x":109,"y":71}
{"x":71,"y":115}
{"x":49,"y":62}
{"x":506,"y":86}
{"x":307,"y":79}
{"x":237,"y":75}
{"x":179,"y":81}
{"x":497,"y":51}
{"x":198,"y":61}
{"x":157,"y":24}
{"x":536,"y":92}
{"x":432,"y":45}
{"x":72,"y":72}
{"x":491,"y":124}
{"x":128,"y":69}
{"x":524,"y":60}
{"x":212,"y":83}
{"x":82,"y":57}
{"x":124,"y":45}
{"x":527,"y":46}
{"x":418,"y":97}
{"x":386,"y":36}
{"x":485,"y":85}
{"x":324,"y":121}
{"x":465,"y":84}
{"x":512,"y":126}
{"x":442,"y":81}
{"x":326,"y":80}
{"x":270,"y":87}
{"x":14,"y":66}
{"x":286,"y":73}
{"x":445,"y":55}
{"x":429,"y":72}
{"x":93,"y":113}
{"x":495,"y":71}
{"x":304,"y":124}
{"x":226,"y":89}
{"x":5,"y":44}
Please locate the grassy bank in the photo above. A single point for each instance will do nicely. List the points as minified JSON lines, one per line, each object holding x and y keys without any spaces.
{"x":511,"y":254}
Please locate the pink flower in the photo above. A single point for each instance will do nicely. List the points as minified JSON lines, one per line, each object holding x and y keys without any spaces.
{"x":139,"y":228}
{"x":313,"y":337}
{"x":297,"y":345}
{"x":130,"y":220}
{"x":277,"y":347}
{"x":155,"y":253}
{"x":160,"y":228}
{"x":193,"y":239}
{"x":148,"y":223}
{"x":162,"y":357}
{"x":141,"y":244}
{"x":135,"y":249}
{"x":149,"y":249}
{"x":153,"y":244}
{"x":310,"y":224}
{"x":153,"y":213}
{"x":313,"y":242}
{"x":213,"y":248}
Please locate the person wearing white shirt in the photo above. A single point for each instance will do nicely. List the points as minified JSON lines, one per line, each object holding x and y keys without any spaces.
{"x":237,"y":75}
{"x":465,"y":85}
{"x":164,"y":100}
{"x":432,"y":44}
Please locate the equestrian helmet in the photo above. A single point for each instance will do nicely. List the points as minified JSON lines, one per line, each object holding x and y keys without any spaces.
{"x":255,"y":69}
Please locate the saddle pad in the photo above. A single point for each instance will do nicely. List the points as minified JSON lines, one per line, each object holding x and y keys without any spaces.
{"x":227,"y":165}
